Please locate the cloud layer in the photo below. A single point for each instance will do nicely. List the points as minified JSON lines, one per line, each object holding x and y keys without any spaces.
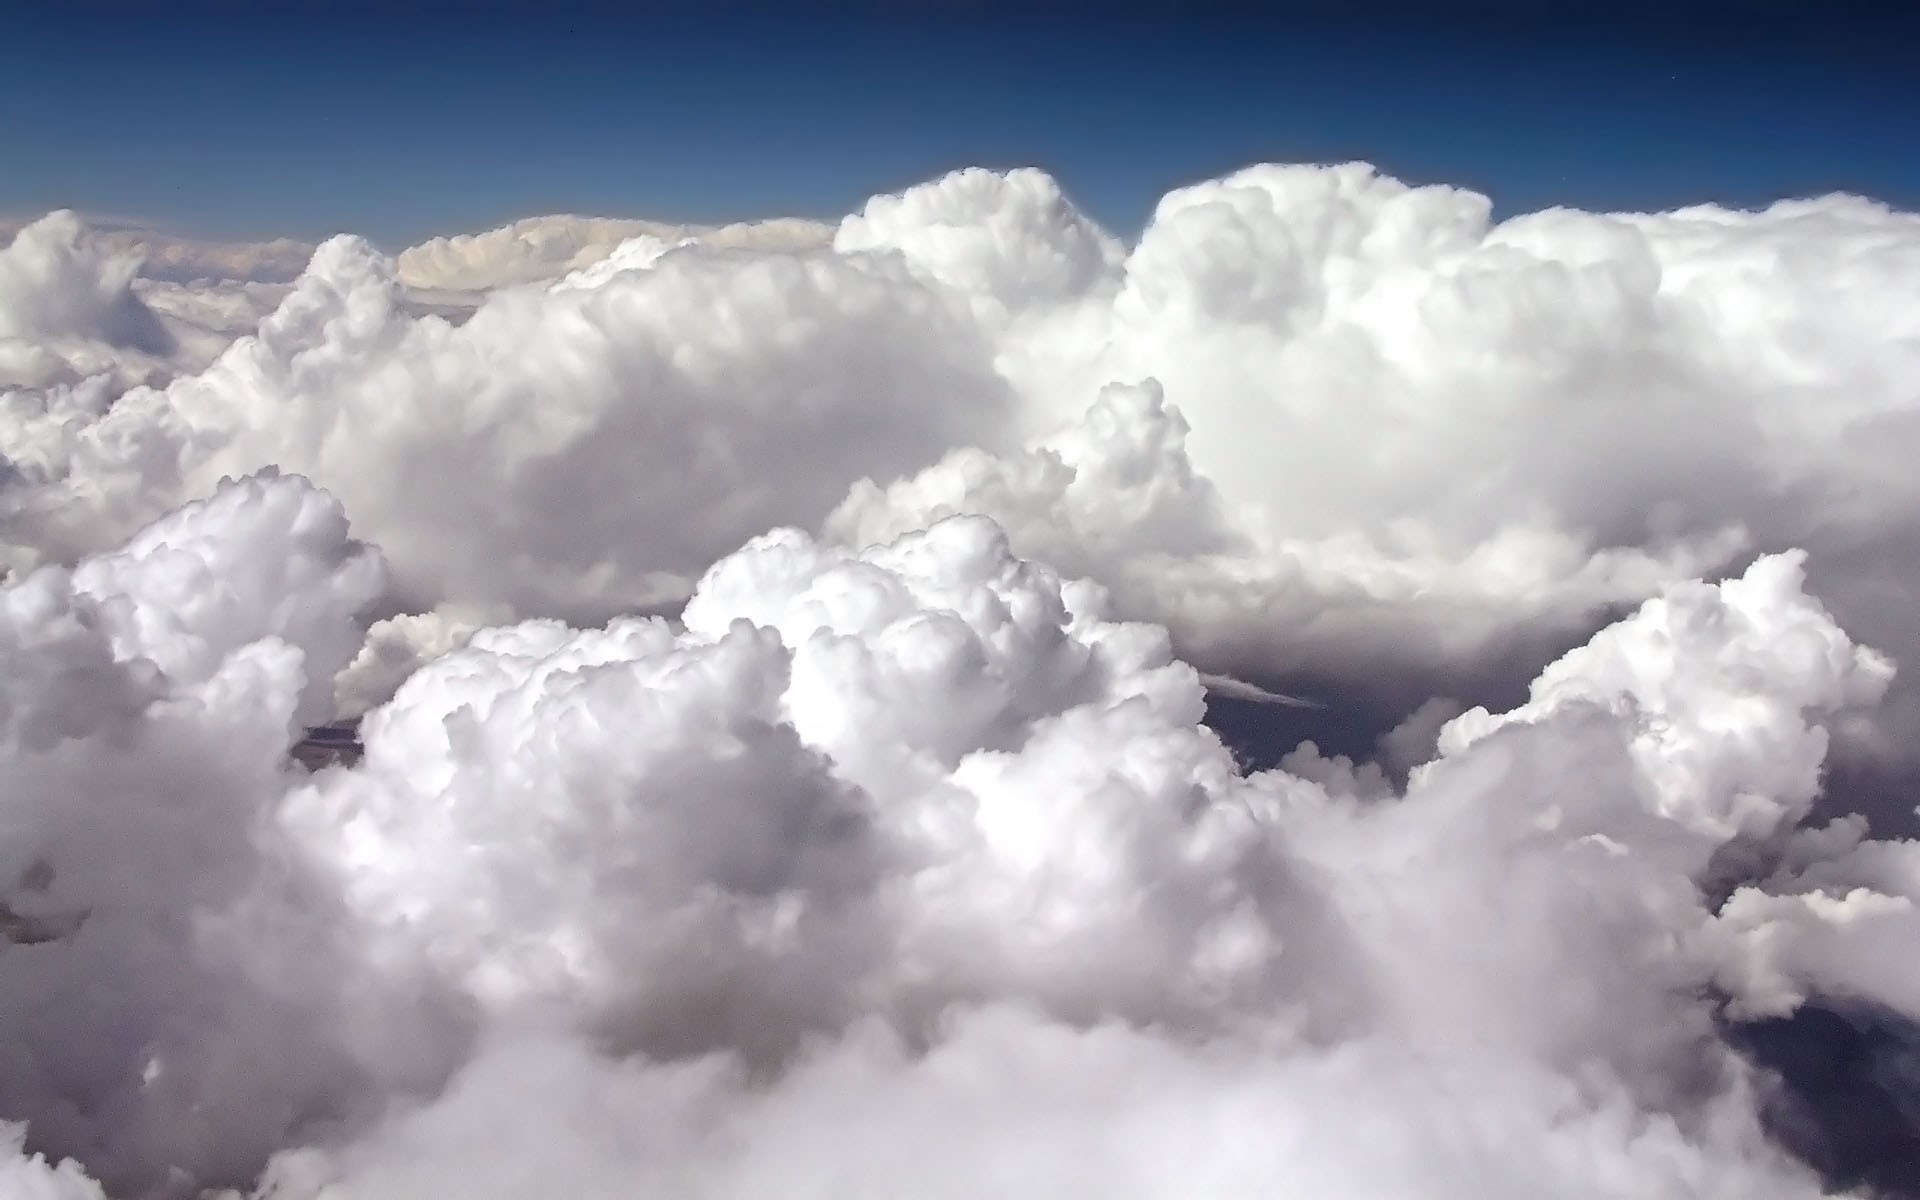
{"x":684,"y":852}
{"x":1307,"y":398}
{"x":909,"y":869}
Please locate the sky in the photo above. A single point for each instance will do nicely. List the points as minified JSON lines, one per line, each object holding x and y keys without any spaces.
{"x":402,"y":122}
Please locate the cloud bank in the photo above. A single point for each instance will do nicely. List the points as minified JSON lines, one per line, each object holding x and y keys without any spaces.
{"x":682,"y":849}
{"x":544,"y":248}
{"x":1307,"y":398}
{"x":906,"y":869}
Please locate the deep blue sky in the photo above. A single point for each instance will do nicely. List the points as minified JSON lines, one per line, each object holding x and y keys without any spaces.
{"x":399,"y":121}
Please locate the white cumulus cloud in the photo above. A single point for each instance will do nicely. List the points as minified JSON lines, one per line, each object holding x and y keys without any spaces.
{"x":783,"y":770}
{"x":900,"y":870}
{"x":1306,"y":398}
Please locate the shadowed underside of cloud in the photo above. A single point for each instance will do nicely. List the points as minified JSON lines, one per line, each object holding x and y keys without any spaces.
{"x":671,"y":863}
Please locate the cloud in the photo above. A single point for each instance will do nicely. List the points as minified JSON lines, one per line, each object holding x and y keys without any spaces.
{"x":1011,"y":1106}
{"x":1240,"y":689}
{"x":169,"y":258}
{"x":1308,"y":399}
{"x":32,"y":1177}
{"x":58,"y":284}
{"x":888,"y":850}
{"x":1400,"y":425}
{"x":82,"y":320}
{"x":172,"y":258}
{"x":396,"y":647}
{"x":104,"y":305}
{"x":539,"y":249}
{"x":67,"y":303}
{"x":149,"y":699}
{"x":768,"y":381}
{"x":901,"y":870}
